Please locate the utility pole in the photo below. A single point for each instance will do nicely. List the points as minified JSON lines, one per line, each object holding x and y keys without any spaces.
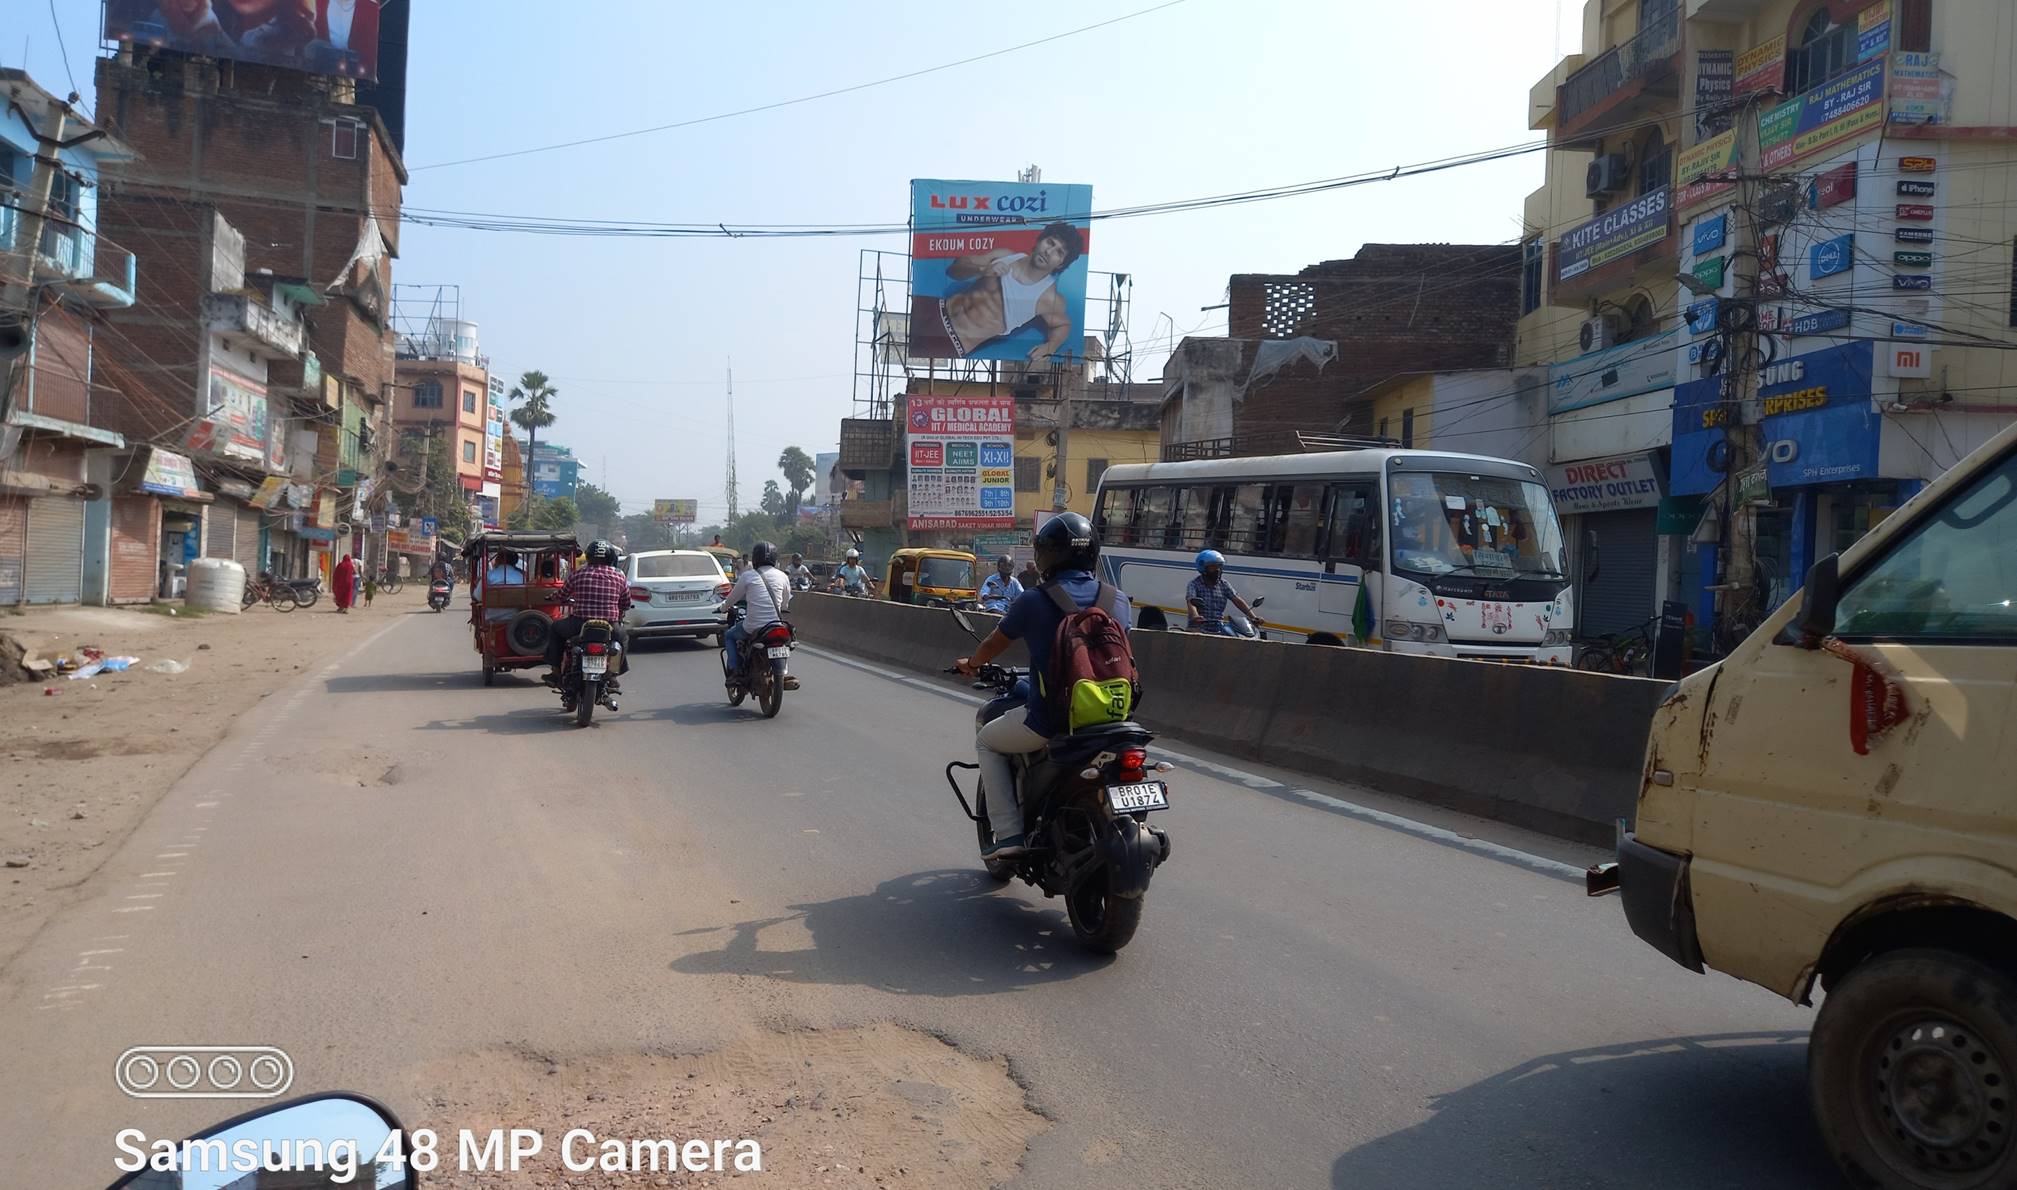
{"x":17,"y":265}
{"x":731,"y":440}
{"x":1739,"y":393}
{"x":1059,"y":490}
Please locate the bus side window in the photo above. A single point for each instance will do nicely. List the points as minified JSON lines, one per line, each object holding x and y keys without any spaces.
{"x":1245,"y":517}
{"x":1294,"y":528}
{"x":1117,"y":514}
{"x":1193,"y":526}
{"x":1354,"y":531}
{"x":1152,"y":518}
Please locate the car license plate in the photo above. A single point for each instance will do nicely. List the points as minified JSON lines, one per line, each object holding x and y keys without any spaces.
{"x":1133,"y":799}
{"x":777,"y":651}
{"x":594,"y":665}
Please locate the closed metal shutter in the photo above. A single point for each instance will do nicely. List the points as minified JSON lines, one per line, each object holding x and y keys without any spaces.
{"x":1629,"y":551}
{"x":245,"y":544}
{"x":220,"y":525}
{"x":55,"y":569}
{"x":136,"y":548}
{"x":13,"y":547}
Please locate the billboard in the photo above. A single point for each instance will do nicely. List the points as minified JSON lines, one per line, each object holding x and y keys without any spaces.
{"x":493,"y":431}
{"x":998,"y":270}
{"x":675,"y":512}
{"x":961,"y":453}
{"x":319,"y":36}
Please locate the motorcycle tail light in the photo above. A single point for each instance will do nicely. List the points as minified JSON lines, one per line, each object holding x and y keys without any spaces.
{"x":595,"y":650}
{"x":1133,"y":764}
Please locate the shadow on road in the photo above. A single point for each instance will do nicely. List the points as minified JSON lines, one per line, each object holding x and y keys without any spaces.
{"x":469,"y":679}
{"x":1725,"y":1110}
{"x":525,"y":721}
{"x":939,"y":933}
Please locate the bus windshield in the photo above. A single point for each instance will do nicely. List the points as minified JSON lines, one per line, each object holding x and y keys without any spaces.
{"x":1447,"y":522}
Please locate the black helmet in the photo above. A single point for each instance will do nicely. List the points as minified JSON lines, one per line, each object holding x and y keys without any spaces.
{"x":601,"y":553}
{"x":763,"y":553}
{"x":1066,"y":542}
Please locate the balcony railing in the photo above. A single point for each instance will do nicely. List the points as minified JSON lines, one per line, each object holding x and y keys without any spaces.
{"x":865,"y":514}
{"x":242,"y":314}
{"x":1645,"y":56}
{"x":86,"y":265}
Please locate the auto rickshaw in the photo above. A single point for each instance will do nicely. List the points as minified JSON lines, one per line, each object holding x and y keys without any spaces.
{"x":932,"y":578}
{"x":517,"y":589}
{"x":726,"y":555}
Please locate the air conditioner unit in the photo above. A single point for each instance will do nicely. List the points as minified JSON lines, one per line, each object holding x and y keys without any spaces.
{"x":1608,"y":174}
{"x":1600,"y":332}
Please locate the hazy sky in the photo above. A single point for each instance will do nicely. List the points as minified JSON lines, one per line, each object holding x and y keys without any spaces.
{"x":1203,"y":98}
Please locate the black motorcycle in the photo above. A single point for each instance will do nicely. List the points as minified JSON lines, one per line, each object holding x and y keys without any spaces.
{"x":588,"y":670}
{"x":761,"y":667}
{"x":438,"y":593}
{"x":1085,"y":802}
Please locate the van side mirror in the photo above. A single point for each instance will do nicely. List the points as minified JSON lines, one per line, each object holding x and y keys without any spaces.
{"x":1591,"y":561}
{"x":1818,"y":601}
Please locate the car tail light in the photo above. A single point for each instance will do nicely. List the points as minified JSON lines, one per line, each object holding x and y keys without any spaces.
{"x":595,"y":650}
{"x":1132,"y":764}
{"x":640,"y":594}
{"x":721,"y":590}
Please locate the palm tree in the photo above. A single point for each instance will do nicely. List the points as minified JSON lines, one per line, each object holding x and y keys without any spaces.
{"x":533,"y":395}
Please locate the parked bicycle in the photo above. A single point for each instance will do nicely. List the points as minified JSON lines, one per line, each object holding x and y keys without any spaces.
{"x":273,"y":592}
{"x":390,"y":582}
{"x":1627,"y":652}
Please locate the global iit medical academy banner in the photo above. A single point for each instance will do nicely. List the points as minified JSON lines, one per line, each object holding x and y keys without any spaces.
{"x":998,"y":270}
{"x":962,"y":462}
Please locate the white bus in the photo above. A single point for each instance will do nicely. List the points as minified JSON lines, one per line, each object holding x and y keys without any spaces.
{"x":1428,"y":552}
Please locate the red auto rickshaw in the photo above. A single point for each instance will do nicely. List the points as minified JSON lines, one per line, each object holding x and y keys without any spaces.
{"x":517,"y":589}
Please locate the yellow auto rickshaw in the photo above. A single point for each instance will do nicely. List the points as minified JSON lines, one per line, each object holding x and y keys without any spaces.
{"x":932,"y":578}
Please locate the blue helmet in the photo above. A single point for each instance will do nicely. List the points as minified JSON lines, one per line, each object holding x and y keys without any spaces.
{"x":1209,"y":558}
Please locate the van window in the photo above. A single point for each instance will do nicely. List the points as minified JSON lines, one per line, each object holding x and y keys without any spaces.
{"x":1952,"y":578}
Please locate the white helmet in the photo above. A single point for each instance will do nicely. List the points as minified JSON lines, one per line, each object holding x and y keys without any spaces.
{"x":854,"y":555}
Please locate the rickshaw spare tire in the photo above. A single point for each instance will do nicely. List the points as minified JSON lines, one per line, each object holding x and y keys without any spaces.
{"x":528,"y":632}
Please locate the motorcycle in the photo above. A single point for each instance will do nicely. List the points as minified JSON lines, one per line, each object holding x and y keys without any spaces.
{"x":438,"y":593}
{"x":341,"y":1138}
{"x":588,"y":671}
{"x":761,"y":668}
{"x":306,"y":590}
{"x":1085,"y":800}
{"x":1239,"y":625}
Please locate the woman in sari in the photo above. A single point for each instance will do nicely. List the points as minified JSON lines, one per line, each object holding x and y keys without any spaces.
{"x":343,"y":583}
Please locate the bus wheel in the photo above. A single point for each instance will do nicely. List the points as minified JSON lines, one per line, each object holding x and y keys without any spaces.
{"x":1152,"y":619}
{"x":1324,"y":638}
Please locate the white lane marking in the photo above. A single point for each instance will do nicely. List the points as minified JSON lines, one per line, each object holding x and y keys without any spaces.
{"x":171,"y":855}
{"x":105,"y":950}
{"x":205,"y":805}
{"x":1424,"y":830}
{"x":152,"y":875}
{"x":146,"y":896}
{"x":133,"y":909}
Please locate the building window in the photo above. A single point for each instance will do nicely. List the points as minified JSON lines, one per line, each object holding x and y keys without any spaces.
{"x":1094,"y":469}
{"x":1289,"y":307}
{"x":1825,"y":50}
{"x":1407,"y":429}
{"x":1914,"y":29}
{"x":1656,"y":163}
{"x":1382,"y":435}
{"x":468,"y":401}
{"x":1532,"y":256}
{"x":1026,"y":474}
{"x":469,"y":452}
{"x":343,"y":138}
{"x":427,"y":395}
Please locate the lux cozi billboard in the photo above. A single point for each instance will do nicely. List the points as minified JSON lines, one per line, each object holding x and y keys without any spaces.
{"x":338,"y":37}
{"x":998,"y":270}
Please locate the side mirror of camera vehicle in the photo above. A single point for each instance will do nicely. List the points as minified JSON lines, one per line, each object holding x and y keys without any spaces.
{"x":324,"y":1140}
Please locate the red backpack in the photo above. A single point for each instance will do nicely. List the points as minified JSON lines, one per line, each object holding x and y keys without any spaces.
{"x":1092,"y":678}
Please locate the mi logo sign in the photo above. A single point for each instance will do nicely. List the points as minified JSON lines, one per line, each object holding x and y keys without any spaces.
{"x":1910,"y":361}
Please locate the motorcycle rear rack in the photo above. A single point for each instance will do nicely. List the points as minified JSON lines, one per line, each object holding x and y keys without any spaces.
{"x":957,"y":791}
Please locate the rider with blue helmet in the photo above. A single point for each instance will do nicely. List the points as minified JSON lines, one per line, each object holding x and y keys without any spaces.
{"x":1208,"y":594}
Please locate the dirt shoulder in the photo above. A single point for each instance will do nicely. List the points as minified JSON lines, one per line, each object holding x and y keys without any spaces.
{"x":81,"y":766}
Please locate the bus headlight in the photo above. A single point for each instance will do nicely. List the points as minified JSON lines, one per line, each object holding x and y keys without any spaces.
{"x":1409,"y":631}
{"x":1555,"y":637}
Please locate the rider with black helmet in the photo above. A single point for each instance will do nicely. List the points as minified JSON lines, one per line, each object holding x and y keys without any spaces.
{"x":1067,"y":556}
{"x":597,"y":591}
{"x":765,"y":592}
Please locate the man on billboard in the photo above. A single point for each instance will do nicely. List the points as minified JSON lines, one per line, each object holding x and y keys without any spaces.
{"x":323,"y":36}
{"x":1010,"y":290}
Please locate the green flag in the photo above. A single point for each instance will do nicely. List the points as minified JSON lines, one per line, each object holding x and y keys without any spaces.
{"x":1362,"y":615}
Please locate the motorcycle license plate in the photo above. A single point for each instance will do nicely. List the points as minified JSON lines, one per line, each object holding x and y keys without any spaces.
{"x":1133,"y":799}
{"x":594,"y":665}
{"x":780,"y":651}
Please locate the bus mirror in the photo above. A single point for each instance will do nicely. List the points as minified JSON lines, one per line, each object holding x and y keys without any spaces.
{"x":1591,"y":557}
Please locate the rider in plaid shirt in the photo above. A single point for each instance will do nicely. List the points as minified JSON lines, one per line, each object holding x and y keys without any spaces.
{"x":598,"y":591}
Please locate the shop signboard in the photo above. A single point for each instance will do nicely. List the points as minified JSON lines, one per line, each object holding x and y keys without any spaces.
{"x":1824,"y":116}
{"x":1605,"y":485}
{"x":1706,"y":170}
{"x":1913,"y":188}
{"x":1761,"y":68}
{"x":1641,"y":366}
{"x":1818,"y":322}
{"x":962,"y":462}
{"x":1873,"y":31}
{"x":675,"y":512}
{"x":168,"y":474}
{"x":1817,"y":422}
{"x":1830,"y":257}
{"x":1623,"y":229}
{"x":1715,"y":72}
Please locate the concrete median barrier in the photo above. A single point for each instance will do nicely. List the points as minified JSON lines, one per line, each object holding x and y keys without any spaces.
{"x":1554,"y":750}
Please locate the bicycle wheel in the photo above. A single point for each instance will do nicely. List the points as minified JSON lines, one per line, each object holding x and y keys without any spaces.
{"x":1596,"y":658}
{"x":392,"y":584}
{"x":283,"y":599}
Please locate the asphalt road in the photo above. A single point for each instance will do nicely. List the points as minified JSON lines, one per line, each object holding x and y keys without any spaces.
{"x":387,"y":863}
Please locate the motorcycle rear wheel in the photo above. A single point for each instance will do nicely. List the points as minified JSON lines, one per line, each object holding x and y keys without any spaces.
{"x":584,"y":704}
{"x":283,"y":599}
{"x":769,"y":689}
{"x":1103,"y":923}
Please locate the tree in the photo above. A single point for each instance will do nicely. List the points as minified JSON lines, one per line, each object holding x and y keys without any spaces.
{"x":557,"y":515}
{"x":773,"y":502}
{"x":598,"y":508}
{"x":798,"y":473}
{"x":640,"y":532}
{"x":534,"y":396}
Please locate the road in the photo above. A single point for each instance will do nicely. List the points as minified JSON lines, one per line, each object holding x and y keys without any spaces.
{"x":388,"y":870}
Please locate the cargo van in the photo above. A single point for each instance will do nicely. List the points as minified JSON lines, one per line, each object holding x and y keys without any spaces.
{"x":1835,"y":804}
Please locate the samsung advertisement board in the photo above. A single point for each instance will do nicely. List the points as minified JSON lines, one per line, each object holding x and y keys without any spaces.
{"x":1819,"y":425}
{"x":998,"y":270}
{"x":338,"y":37}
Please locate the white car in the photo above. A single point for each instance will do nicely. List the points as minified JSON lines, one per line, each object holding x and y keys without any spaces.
{"x":674,"y":593}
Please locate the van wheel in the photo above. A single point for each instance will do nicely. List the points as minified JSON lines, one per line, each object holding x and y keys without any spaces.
{"x":1910,"y":1070}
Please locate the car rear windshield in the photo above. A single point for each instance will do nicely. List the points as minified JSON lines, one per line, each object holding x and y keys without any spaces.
{"x":676,"y":566}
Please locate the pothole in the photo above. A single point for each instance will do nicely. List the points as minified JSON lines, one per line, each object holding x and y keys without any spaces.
{"x":878,"y":1106}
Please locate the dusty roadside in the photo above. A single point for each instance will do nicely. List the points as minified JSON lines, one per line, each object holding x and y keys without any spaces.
{"x":80,"y":766}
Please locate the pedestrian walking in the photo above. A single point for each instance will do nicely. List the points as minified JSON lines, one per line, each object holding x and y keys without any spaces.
{"x":343,"y":584}
{"x":370,"y":589}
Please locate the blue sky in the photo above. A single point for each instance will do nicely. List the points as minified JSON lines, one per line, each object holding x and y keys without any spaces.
{"x":1207,"y":97}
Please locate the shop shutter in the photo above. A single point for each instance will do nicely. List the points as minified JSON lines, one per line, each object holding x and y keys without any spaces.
{"x":220,"y":526}
{"x":245,"y":544}
{"x":13,"y":546}
{"x":1629,"y":549}
{"x":136,"y":548}
{"x":55,"y":563}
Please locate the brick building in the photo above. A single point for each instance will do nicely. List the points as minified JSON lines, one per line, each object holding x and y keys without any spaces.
{"x":1302,"y":350}
{"x":313,"y":181}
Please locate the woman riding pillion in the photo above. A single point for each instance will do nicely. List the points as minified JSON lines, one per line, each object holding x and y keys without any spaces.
{"x":1067,"y":551}
{"x":1208,"y":594}
{"x":765,"y":591}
